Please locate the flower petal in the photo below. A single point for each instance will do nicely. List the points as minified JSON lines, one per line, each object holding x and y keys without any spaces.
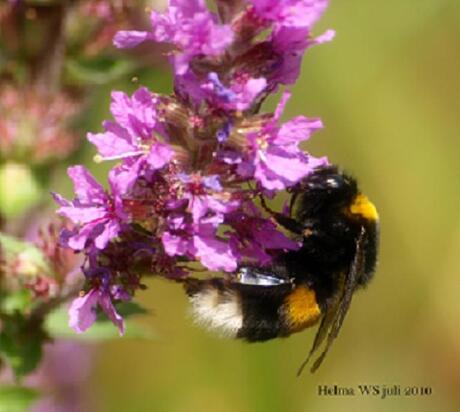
{"x":110,"y":231}
{"x":123,"y":177}
{"x":82,"y":311}
{"x":60,"y":200}
{"x":87,"y":189}
{"x":77,"y":241}
{"x":159,"y":155}
{"x":291,"y":13}
{"x":296,"y":130}
{"x":115,"y":142}
{"x":280,"y":169}
{"x":107,"y":306}
{"x":290,"y":44}
{"x":129,"y":38}
{"x":137,"y":113}
{"x":214,"y":254}
{"x":82,"y":214}
{"x":174,"y":244}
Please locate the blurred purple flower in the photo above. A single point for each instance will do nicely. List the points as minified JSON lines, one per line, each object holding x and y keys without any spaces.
{"x":36,"y":126}
{"x":290,"y":13}
{"x":61,"y":376}
{"x":187,"y":25}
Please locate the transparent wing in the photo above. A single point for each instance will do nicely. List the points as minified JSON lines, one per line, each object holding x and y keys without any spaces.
{"x":257,"y":277}
{"x":334,"y":316}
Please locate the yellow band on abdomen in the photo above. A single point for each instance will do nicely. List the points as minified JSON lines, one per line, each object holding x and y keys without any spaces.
{"x":301,"y":309}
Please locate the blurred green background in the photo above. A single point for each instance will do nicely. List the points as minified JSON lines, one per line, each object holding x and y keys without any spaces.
{"x":387,"y":89}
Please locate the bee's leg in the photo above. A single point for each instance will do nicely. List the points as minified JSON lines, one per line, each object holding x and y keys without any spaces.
{"x":287,"y":222}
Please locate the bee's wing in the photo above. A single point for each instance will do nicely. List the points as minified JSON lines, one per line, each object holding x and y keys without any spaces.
{"x":321,"y":334}
{"x":260,"y":277}
{"x":334,"y":316}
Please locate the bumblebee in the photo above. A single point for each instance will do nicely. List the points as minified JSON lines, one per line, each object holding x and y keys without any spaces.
{"x":338,"y":229}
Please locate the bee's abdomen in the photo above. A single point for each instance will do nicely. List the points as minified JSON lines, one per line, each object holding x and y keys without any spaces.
{"x":215,"y":305}
{"x":251,"y":312}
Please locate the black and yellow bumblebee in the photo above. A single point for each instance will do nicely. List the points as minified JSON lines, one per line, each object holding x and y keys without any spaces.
{"x":338,"y":229}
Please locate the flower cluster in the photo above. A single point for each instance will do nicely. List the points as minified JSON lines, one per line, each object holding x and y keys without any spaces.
{"x":35,"y":128}
{"x":191,"y":165}
{"x":40,"y":266}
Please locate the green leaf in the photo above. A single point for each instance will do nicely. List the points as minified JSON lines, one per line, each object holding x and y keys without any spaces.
{"x":57,"y":326}
{"x":16,"y":398}
{"x":21,"y":342}
{"x":127,"y":309}
{"x":20,"y":301}
{"x":97,"y":71}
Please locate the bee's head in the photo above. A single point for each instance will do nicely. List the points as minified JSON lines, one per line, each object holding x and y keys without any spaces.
{"x":326,"y":189}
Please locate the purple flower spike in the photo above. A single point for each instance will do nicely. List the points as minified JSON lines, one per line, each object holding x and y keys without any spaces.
{"x":191,"y":164}
{"x":82,"y":311}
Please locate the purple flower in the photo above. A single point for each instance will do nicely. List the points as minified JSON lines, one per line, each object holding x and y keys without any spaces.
{"x":132,"y":138}
{"x":223,"y":133}
{"x":290,"y":13}
{"x":240,"y":95}
{"x":199,"y":242}
{"x":82,"y":311}
{"x":137,"y":114}
{"x":187,"y":25}
{"x":214,"y":253}
{"x":189,"y":87}
{"x":289,"y":44}
{"x":254,"y":236}
{"x":273,"y":157}
{"x":192,"y":231}
{"x":97,"y":214}
{"x":206,"y":197}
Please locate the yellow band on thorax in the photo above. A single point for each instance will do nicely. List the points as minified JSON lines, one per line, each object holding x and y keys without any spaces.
{"x":362,"y":206}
